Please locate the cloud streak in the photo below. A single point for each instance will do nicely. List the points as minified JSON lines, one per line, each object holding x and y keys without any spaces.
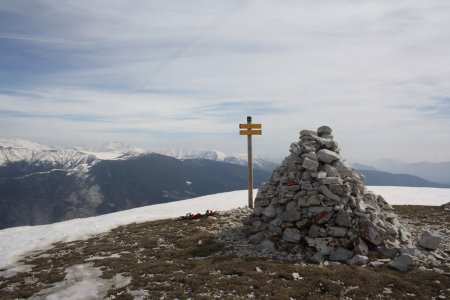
{"x":375,"y":71}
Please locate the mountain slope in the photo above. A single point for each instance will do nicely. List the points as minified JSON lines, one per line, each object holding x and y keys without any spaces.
{"x":41,"y":194}
{"x":374,"y":177}
{"x":437,"y":172}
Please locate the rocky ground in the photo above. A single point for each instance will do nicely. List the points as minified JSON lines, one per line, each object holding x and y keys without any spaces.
{"x":212,"y":258}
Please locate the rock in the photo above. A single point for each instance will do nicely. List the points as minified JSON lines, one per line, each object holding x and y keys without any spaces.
{"x":307,"y":201}
{"x":340,"y":254}
{"x":337,"y":231}
{"x":360,"y":246}
{"x":291,"y":216}
{"x":327,"y":156}
{"x":430,"y":240}
{"x":324,"y":130}
{"x":266,"y":244}
{"x":327,"y":193}
{"x":256,"y":238}
{"x":371,"y":232}
{"x":403,"y":263}
{"x":343,"y":218}
{"x":292,"y":235}
{"x":310,"y":164}
{"x":317,"y":258}
{"x":315,"y":206}
{"x":358,"y":260}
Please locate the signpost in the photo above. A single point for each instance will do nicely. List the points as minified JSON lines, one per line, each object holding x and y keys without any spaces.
{"x":249,"y":130}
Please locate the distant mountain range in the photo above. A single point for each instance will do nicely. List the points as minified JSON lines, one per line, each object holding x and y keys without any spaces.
{"x":432,"y":171}
{"x":40,"y":184}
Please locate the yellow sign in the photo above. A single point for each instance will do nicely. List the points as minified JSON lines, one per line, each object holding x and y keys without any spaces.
{"x":250,"y":132}
{"x":250,"y":126}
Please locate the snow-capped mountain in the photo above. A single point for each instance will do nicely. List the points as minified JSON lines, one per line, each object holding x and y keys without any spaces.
{"x":235,"y":158}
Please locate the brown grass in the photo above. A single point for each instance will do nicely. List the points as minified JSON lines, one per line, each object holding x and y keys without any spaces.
{"x":183,"y":260}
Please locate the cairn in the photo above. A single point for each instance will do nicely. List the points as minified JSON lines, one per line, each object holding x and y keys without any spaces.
{"x":316,"y":206}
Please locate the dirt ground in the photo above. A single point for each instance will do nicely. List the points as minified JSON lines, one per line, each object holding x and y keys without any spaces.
{"x":172,"y":259}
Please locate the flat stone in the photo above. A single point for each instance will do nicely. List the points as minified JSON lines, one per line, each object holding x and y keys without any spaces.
{"x":331,"y":171}
{"x":360,"y":246}
{"x":337,"y":231}
{"x":403,"y":263}
{"x":303,"y":224}
{"x":322,"y":245}
{"x":256,"y":238}
{"x":290,"y":216}
{"x":331,"y":180}
{"x":292,"y":235}
{"x":324,"y":130}
{"x":269,"y":211}
{"x":340,"y":254}
{"x":317,"y":231}
{"x":336,"y":189}
{"x":358,"y":260}
{"x":323,"y":217}
{"x":317,"y":258}
{"x":310,"y":164}
{"x":430,"y":240}
{"x":343,"y":218}
{"x":389,"y":252}
{"x":327,"y":193}
{"x":344,"y":169}
{"x":410,"y":249}
{"x":327,"y":156}
{"x":307,"y":201}
{"x":310,"y":155}
{"x":266,"y":244}
{"x":308,"y":132}
{"x":371,"y":232}
{"x":262,"y":202}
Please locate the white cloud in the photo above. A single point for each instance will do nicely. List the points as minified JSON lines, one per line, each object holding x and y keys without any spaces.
{"x":157,"y":70}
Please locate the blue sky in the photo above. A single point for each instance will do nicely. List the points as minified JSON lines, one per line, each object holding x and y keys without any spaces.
{"x":183,"y":74}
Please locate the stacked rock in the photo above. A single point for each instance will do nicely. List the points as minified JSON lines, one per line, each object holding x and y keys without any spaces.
{"x":316,"y":206}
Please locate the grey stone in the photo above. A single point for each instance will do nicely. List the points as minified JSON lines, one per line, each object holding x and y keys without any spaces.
{"x":340,"y":254}
{"x":266,"y":244}
{"x":310,"y":164}
{"x":337,"y":231}
{"x":360,"y":246}
{"x":321,"y":175}
{"x":310,"y":155}
{"x":402,"y":263}
{"x":303,"y":224}
{"x":317,"y":231}
{"x":331,"y":180}
{"x":324,"y":190}
{"x":327,"y":156}
{"x":311,"y":200}
{"x":343,"y":218}
{"x":317,"y":258}
{"x":262,"y":202}
{"x":331,"y":171}
{"x":256,"y":238}
{"x":344,"y":170}
{"x":322,"y":245}
{"x":269,"y":212}
{"x":430,"y":240}
{"x":324,"y":130}
{"x":358,"y":260}
{"x":389,"y":252}
{"x":336,"y":189}
{"x":410,"y":249}
{"x":371,"y":232}
{"x":292,"y":235}
{"x":290,"y":216}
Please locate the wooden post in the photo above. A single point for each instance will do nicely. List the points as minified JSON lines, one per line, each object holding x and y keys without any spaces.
{"x":250,"y":166}
{"x":249,"y":130}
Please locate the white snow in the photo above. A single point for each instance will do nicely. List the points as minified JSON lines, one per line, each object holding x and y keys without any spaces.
{"x":19,"y":241}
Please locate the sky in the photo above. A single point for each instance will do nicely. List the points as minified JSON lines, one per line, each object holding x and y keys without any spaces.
{"x":184,"y":74}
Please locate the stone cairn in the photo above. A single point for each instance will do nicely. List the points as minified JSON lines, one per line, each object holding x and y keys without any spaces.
{"x":316,"y":206}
